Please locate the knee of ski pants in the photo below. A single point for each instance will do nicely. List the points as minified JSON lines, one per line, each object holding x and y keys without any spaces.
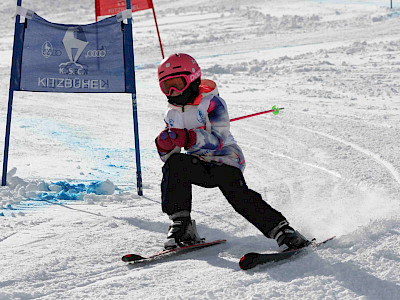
{"x":234,"y":187}
{"x":230,"y":178}
{"x":232,"y":184}
{"x":175,"y":166}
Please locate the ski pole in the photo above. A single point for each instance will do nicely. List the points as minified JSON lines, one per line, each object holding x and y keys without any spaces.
{"x":275,"y":110}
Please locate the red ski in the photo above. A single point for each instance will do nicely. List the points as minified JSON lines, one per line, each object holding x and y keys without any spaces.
{"x":135,"y":258}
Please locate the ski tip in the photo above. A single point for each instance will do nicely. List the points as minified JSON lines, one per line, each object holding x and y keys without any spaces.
{"x":324,"y":241}
{"x":131,"y":257}
{"x":219,"y":241}
{"x":241,"y":261}
{"x":248,"y":261}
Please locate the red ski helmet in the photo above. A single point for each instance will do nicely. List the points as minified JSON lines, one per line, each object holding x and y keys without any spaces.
{"x":180,"y":73}
{"x":179,"y":63}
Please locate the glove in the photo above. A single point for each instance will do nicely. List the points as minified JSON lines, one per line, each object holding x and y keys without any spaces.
{"x":163,"y":142}
{"x":183,"y":137}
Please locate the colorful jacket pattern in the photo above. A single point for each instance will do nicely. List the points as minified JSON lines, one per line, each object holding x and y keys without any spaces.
{"x":208,"y":117}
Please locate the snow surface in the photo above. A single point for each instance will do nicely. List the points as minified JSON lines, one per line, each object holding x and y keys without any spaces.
{"x":329,"y":161}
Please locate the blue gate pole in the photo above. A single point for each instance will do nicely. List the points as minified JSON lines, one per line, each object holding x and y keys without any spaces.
{"x":7,"y":140}
{"x":136,"y":129}
{"x":135,"y":115}
{"x":10,"y":100}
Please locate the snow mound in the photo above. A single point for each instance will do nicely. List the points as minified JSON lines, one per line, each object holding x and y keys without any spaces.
{"x":18,"y":192}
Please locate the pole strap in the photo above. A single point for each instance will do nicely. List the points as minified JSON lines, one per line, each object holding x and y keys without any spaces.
{"x":24,"y":12}
{"x":124,"y":15}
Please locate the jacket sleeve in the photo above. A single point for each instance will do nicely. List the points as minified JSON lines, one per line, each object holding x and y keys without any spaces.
{"x":219,"y":119}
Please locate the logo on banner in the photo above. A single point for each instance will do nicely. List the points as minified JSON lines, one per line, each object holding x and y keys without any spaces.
{"x":48,"y":50}
{"x":74,"y":43}
{"x":73,"y":58}
{"x":96,"y":53}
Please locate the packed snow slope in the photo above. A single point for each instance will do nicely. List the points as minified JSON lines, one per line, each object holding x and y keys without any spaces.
{"x":329,"y":161}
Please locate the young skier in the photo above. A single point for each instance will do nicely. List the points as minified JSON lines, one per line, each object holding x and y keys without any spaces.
{"x":197,"y":120}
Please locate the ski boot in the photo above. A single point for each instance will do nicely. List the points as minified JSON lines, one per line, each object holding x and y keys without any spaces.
{"x":287,"y":238}
{"x":182,"y":232}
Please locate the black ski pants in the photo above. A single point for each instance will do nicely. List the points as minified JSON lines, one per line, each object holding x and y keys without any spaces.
{"x":180,"y":171}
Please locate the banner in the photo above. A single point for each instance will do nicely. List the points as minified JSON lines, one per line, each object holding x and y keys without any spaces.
{"x":112,"y":7}
{"x":73,"y":58}
{"x":61,"y":58}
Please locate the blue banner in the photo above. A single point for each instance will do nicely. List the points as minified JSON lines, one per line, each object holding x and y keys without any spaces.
{"x":74,"y":58}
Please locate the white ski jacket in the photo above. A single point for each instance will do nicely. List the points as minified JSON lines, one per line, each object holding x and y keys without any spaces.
{"x":208,"y":117}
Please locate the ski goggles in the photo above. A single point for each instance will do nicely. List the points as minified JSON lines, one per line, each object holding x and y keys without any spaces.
{"x":177,"y":83}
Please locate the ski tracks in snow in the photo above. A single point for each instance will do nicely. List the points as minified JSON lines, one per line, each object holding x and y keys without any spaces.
{"x":390,"y":168}
{"x":289,"y":157}
{"x":394,"y":173}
